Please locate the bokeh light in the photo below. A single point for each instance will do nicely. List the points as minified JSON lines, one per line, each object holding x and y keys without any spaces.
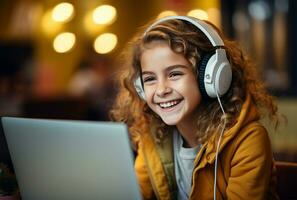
{"x":63,"y":12}
{"x":198,"y":13}
{"x":105,"y":14}
{"x":166,"y":13}
{"x":64,"y":42}
{"x":105,"y":43}
{"x":259,"y":10}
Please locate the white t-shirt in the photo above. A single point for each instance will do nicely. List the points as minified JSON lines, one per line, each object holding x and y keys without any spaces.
{"x":183,"y":165}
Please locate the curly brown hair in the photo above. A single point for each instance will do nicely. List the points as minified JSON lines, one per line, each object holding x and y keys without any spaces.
{"x":184,"y":38}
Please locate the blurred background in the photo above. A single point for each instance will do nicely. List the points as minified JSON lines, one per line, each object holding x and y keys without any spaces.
{"x":58,"y":58}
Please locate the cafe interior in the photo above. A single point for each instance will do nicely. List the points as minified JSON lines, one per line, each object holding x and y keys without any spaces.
{"x":58,"y":59}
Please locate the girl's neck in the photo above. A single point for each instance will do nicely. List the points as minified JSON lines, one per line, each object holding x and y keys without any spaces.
{"x":188,"y":130}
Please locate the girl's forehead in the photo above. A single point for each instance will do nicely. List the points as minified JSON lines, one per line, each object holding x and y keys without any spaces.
{"x":162,"y":56}
{"x":151,"y":46}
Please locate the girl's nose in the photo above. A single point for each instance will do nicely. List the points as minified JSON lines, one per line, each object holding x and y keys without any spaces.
{"x":163,"y":89}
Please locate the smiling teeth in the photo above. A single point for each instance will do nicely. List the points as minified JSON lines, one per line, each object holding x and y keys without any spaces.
{"x":168,"y":104}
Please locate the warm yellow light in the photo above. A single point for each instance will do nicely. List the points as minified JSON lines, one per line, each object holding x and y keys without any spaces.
{"x":166,"y":13}
{"x":214,"y":15}
{"x":104,"y":14}
{"x":64,"y":42}
{"x":198,"y":13}
{"x":90,"y":27}
{"x":49,"y":27}
{"x":63,"y":12}
{"x":105,"y":43}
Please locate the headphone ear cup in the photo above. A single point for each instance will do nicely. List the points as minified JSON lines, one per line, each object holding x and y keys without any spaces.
{"x":201,"y":73}
{"x":223,"y":77}
{"x":139,"y":88}
{"x":218,"y":74}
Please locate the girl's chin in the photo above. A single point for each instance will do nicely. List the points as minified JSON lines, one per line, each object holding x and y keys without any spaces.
{"x":170,"y":121}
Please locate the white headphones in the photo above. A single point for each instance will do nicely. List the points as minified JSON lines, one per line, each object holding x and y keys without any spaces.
{"x":214,"y":70}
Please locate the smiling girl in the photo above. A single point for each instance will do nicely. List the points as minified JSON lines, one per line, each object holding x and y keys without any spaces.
{"x":192,"y":103}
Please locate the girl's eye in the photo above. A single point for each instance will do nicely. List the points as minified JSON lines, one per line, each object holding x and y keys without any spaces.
{"x":175,"y":74}
{"x":148,"y":79}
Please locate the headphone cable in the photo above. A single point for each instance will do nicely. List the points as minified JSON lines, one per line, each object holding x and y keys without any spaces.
{"x":217,"y":150}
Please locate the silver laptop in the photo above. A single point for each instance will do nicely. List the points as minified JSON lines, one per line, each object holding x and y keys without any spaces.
{"x":61,"y":159}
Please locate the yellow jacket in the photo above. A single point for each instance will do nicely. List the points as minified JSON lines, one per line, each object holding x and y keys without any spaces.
{"x":245,"y":166}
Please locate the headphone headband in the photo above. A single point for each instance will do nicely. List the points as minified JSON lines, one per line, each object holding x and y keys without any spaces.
{"x":209,"y":31}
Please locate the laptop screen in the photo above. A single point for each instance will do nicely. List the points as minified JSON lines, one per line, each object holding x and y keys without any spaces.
{"x":62,"y":159}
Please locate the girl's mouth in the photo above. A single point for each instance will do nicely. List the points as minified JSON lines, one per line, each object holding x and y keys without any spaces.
{"x":169,"y":104}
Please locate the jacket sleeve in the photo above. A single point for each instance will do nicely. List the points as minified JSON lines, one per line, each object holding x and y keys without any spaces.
{"x":143,"y":176}
{"x":251,"y":165}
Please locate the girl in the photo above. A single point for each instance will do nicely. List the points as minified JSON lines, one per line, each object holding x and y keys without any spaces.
{"x":192,"y":103}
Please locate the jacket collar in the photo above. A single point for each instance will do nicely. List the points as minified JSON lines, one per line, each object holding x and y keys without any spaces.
{"x":160,"y":165}
{"x":248,"y":114}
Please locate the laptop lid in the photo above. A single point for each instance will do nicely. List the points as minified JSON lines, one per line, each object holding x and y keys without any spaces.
{"x":62,"y":159}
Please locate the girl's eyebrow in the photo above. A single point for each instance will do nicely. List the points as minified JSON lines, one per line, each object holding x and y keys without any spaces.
{"x":146,"y":73}
{"x":172,"y":67}
{"x":176,"y":66}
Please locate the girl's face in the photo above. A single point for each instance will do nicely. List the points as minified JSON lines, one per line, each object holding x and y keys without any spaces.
{"x":170,"y":84}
